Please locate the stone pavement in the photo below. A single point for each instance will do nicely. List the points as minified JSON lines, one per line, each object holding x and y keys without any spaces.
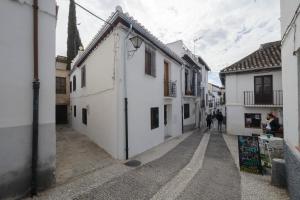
{"x":145,"y":181}
{"x":219,"y":179}
{"x":193,"y":166}
{"x":77,"y":155}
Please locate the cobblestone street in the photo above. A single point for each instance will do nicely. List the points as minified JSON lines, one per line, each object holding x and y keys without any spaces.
{"x":201,"y":166}
{"x":145,"y":181}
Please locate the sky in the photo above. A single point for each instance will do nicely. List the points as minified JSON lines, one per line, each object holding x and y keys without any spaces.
{"x":225,"y":30}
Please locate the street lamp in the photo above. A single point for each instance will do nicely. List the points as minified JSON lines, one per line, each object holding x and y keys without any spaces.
{"x":136,"y":41}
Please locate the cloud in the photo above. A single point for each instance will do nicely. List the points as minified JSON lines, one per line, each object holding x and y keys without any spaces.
{"x":242,"y":33}
{"x":213,"y":77}
{"x":229,"y":30}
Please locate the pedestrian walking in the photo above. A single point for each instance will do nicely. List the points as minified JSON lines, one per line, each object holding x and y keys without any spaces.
{"x":273,"y":124}
{"x":208,"y":121}
{"x":219,"y":117}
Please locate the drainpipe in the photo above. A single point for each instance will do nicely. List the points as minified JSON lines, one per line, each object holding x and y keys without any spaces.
{"x":125,"y":94}
{"x":35,"y":111}
{"x":182,"y":67}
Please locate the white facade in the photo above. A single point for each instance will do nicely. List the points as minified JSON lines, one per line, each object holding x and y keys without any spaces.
{"x":194,"y":82}
{"x":215,"y":99}
{"x":290,"y":73}
{"x":16,"y":52}
{"x":106,"y":86}
{"x":235,"y":86}
{"x":290,"y":27}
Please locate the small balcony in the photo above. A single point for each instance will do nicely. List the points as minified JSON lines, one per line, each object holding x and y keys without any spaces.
{"x":267,"y":99}
{"x":170,"y":89}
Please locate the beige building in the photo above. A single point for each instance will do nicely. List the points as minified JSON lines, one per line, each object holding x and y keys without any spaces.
{"x":62,"y":90}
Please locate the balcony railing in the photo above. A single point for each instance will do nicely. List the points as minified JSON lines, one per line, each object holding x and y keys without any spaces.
{"x":170,"y":89}
{"x":273,"y":98}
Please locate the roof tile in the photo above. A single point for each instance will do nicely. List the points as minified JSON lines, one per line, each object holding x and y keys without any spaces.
{"x":267,"y":56}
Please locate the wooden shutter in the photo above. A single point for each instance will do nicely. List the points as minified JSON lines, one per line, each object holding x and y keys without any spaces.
{"x":153,"y":63}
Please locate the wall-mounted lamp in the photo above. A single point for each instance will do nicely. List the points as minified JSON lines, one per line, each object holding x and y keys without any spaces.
{"x":136,"y":41}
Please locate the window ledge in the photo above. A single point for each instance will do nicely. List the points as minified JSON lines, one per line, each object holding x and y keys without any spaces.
{"x":150,"y":76}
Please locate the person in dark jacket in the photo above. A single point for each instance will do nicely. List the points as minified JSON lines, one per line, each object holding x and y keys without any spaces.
{"x":208,"y":121}
{"x":274,"y":123}
{"x":219,"y":117}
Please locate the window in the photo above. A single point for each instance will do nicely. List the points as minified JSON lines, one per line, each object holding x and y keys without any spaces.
{"x":154,"y":118}
{"x":186,"y":77}
{"x":74,"y":111}
{"x":84,"y":116}
{"x":252,"y":120}
{"x":186,"y":111}
{"x":83,"y":79}
{"x":60,"y":85}
{"x":70,"y":86}
{"x":74,"y":83}
{"x":263,"y":89}
{"x":150,"y":61}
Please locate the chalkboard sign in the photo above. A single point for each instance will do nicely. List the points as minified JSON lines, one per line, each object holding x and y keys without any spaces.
{"x":249,"y":154}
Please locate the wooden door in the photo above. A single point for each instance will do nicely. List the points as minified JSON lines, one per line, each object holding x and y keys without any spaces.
{"x":166,"y":79}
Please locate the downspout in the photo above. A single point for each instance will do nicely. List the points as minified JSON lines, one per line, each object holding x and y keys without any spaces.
{"x":181,"y":98}
{"x":35,"y":111}
{"x":125,"y":94}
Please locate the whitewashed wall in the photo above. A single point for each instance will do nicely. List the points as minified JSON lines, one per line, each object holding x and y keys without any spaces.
{"x":99,"y":96}
{"x":16,"y":54}
{"x":236,"y":84}
{"x":144,"y":92}
{"x":290,"y":73}
{"x":104,"y":97}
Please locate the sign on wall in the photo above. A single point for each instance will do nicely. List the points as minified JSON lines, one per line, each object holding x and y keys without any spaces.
{"x":249,"y":154}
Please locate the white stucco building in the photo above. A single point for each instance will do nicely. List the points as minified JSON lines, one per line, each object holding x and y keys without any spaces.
{"x":215,"y":99}
{"x":290,"y":27}
{"x":62,"y":111}
{"x":16,"y":101}
{"x":110,"y":72}
{"x":194,"y":82}
{"x":253,"y":89}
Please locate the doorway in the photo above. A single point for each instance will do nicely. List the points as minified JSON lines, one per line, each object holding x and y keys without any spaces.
{"x":168,"y":120}
{"x":61,"y":114}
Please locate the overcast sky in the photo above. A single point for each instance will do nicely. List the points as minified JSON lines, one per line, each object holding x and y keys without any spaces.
{"x":227,"y":30}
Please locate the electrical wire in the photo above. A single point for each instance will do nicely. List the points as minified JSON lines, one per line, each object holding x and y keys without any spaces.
{"x":90,"y":12}
{"x":290,"y":26}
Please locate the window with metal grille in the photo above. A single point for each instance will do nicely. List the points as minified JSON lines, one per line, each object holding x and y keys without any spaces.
{"x":84,"y":116}
{"x":154,"y":117}
{"x":186,"y":110}
{"x":150,"y":67}
{"x":60,"y":85}
{"x":83,"y":77}
{"x":74,"y":83}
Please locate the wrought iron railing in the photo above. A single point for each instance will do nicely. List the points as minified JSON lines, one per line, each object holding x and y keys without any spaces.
{"x":273,"y":98}
{"x":170,"y":89}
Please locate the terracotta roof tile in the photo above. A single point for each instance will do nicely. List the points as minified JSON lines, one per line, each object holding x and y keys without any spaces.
{"x":267,"y":56}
